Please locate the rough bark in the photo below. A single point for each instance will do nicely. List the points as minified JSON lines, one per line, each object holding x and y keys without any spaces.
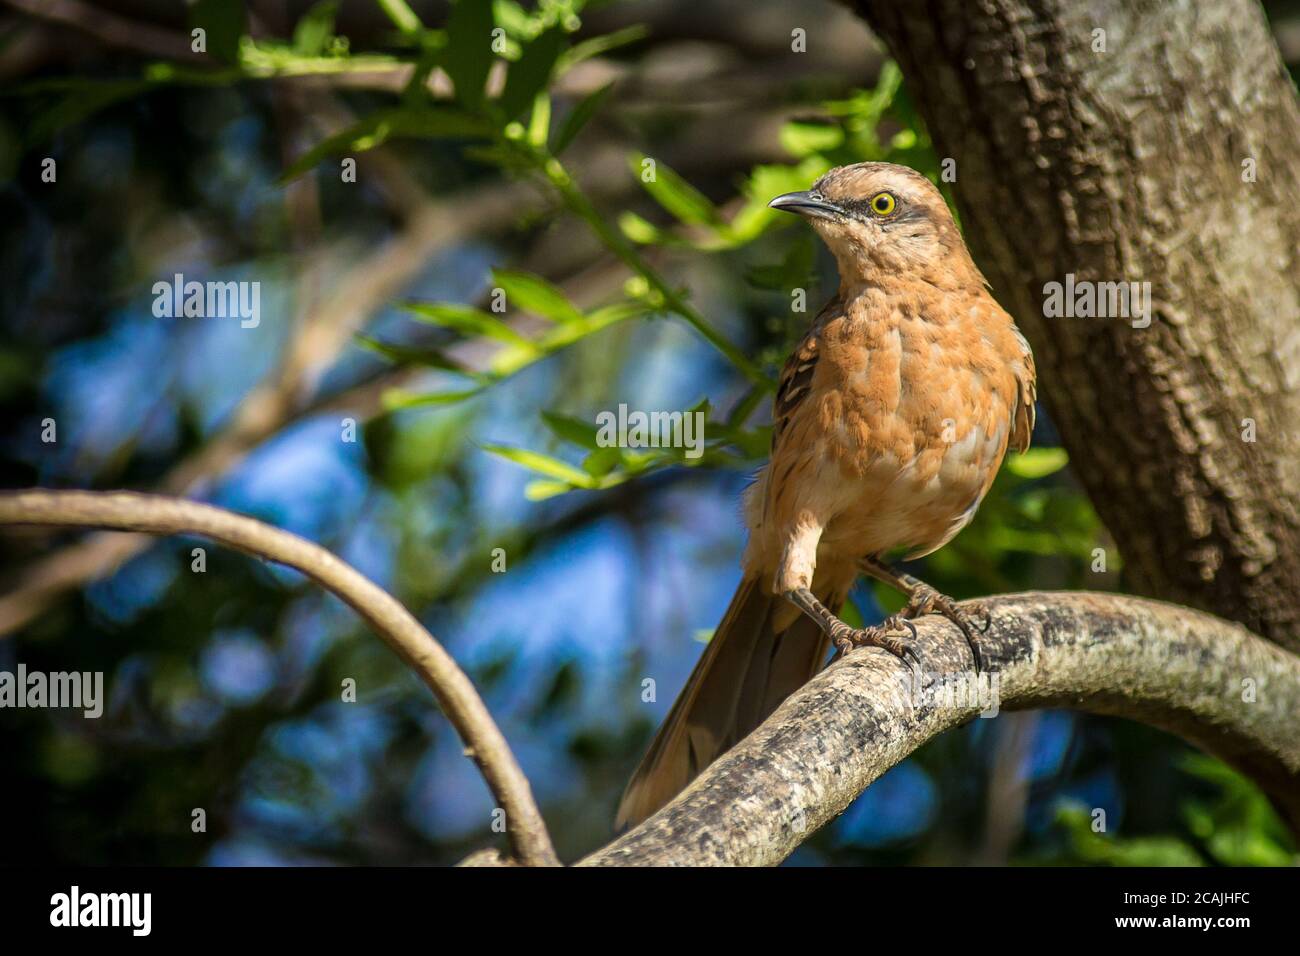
{"x":1127,"y":165}
{"x":1171,"y":667}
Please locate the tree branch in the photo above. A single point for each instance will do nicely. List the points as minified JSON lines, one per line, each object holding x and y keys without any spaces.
{"x":1204,"y":679}
{"x":156,"y":514}
{"x":111,"y":29}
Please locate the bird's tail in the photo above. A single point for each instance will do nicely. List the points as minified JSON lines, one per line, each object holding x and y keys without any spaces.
{"x":748,"y":669}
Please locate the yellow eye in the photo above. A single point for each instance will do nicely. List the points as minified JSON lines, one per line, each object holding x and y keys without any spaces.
{"x":882,"y":204}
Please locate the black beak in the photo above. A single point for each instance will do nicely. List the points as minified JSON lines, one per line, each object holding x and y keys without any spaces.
{"x":807,"y":204}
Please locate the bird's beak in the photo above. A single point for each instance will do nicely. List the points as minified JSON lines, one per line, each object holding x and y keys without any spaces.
{"x":805,"y":204}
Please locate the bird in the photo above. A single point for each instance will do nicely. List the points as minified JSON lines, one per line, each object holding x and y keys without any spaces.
{"x":890,"y":421}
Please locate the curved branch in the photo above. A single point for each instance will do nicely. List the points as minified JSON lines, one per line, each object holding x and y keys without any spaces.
{"x":1209,"y":681}
{"x":157,"y":514}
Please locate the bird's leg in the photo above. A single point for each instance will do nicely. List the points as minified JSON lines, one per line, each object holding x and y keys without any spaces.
{"x":845,"y":638}
{"x":922,"y":599}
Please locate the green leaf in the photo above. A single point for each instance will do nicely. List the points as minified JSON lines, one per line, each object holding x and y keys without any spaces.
{"x":505,"y":157}
{"x":801,"y":139}
{"x":599,"y":45}
{"x":374,"y":130}
{"x":1092,"y":847}
{"x":1037,"y":462}
{"x":401,"y":14}
{"x":542,"y":464}
{"x":602,"y":461}
{"x":560,"y":336}
{"x":753,"y":443}
{"x":539,"y":122}
{"x":528,"y":75}
{"x":534,"y":294}
{"x":396,"y":399}
{"x":765,"y":183}
{"x":641,"y":231}
{"x":676,"y":195}
{"x":887,"y":86}
{"x":573,"y":430}
{"x":432,"y":122}
{"x":578,"y":117}
{"x":740,"y":413}
{"x":614,"y":313}
{"x":465,"y":319}
{"x":468,"y":54}
{"x":514,"y":19}
{"x":509,"y":359}
{"x":363,"y":136}
{"x":223,"y":23}
{"x":1239,"y":827}
{"x":541,"y":490}
{"x":314,"y":28}
{"x":411,"y":355}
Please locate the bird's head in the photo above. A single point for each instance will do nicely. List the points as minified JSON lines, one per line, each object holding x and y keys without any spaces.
{"x":879,"y":219}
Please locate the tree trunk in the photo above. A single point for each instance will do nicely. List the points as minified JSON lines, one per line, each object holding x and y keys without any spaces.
{"x":1163,"y":149}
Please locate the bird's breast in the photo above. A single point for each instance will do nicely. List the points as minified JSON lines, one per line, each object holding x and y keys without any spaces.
{"x":916,"y":419}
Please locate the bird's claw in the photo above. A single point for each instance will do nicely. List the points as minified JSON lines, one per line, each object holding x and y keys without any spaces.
{"x":926,"y":600}
{"x":880,"y":636}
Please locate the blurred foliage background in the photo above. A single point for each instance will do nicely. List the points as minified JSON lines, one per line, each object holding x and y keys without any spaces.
{"x":523,"y":168}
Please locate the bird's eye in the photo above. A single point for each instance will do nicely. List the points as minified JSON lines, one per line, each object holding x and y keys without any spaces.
{"x":882,"y":204}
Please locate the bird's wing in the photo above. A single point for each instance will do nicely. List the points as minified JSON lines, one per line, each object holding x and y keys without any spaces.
{"x":797,"y":375}
{"x":796,"y":379}
{"x":1022,"y":415}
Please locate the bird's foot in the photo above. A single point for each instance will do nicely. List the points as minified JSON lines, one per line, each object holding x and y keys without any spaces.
{"x":884,"y":635}
{"x":925,"y":600}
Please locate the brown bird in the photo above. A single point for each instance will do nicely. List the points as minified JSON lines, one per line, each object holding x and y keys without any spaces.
{"x":891,"y":420}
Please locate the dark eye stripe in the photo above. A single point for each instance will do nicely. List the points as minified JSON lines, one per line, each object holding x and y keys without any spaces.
{"x":856,"y":207}
{"x":862,"y":208}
